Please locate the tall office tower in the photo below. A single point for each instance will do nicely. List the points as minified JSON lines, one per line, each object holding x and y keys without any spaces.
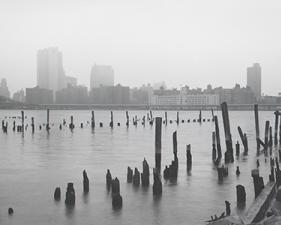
{"x":4,"y":91}
{"x":50,"y":72}
{"x":254,"y":79}
{"x":102,"y":75}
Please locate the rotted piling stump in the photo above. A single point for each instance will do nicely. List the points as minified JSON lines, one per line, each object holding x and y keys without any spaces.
{"x":108,"y":180}
{"x":241,"y":194}
{"x":188,"y":157}
{"x":57,"y":194}
{"x":136,"y":178}
{"x":145,"y":174}
{"x":258,"y":182}
{"x":117,"y":200}
{"x":70,"y":195}
{"x":129,"y":175}
{"x":85,"y":182}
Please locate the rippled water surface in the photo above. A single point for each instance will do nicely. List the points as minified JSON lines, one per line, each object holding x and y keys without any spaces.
{"x":32,"y":166}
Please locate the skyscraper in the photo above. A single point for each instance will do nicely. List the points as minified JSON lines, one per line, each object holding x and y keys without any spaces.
{"x":254,"y":79}
{"x":50,"y":72}
{"x":101,"y":75}
{"x":4,"y":91}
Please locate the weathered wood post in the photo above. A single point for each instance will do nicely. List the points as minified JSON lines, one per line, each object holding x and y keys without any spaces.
{"x":214,"y":150}
{"x":127,"y":119}
{"x":258,"y":182}
{"x":71,"y":125}
{"x":70,"y":195}
{"x":166,"y":118}
{"x":280,"y":131}
{"x":256,"y":110}
{"x":175,"y":148}
{"x":270,"y":143}
{"x":93,"y":123}
{"x":276,"y":127}
{"x":218,"y":137}
{"x":136,"y":178}
{"x":266,"y":136}
{"x":48,"y":120}
{"x":57,"y":194}
{"x":108,"y":180}
{"x":244,"y":140}
{"x":241,"y":195}
{"x":22,"y":121}
{"x":111,"y":119}
{"x":129,"y":175}
{"x":117,"y":200}
{"x":32,"y":124}
{"x":228,"y":140}
{"x":178,"y":119}
{"x":151,"y":118}
{"x":85,"y":182}
{"x":158,"y":136}
{"x":237,"y":148}
{"x":145,"y":174}
{"x":200,"y":116}
{"x":188,"y":157}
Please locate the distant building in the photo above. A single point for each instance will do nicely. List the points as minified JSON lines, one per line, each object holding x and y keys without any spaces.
{"x":39,"y":95}
{"x":254,"y":79}
{"x":50,"y":72}
{"x":4,"y":90}
{"x":110,"y":95}
{"x":101,"y":75}
{"x":200,"y":99}
{"x":70,"y":81}
{"x":72,"y":95}
{"x":19,"y":96}
{"x":242,"y":95}
{"x":165,"y":97}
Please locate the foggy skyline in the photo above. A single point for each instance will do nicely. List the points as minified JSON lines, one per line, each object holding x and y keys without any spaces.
{"x":185,"y":42}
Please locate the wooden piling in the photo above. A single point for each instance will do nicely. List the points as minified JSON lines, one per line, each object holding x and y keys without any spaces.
{"x":70,"y":195}
{"x":228,"y":139}
{"x":188,"y":157}
{"x":166,"y":118}
{"x":218,"y":137}
{"x":158,"y":136}
{"x":241,"y":194}
{"x":237,"y":148}
{"x":258,"y":182}
{"x":127,"y":119}
{"x":32,"y":124}
{"x":276,"y":127}
{"x":129,"y":175}
{"x":111,"y":119}
{"x":145,"y":174}
{"x":108,"y":179}
{"x":256,"y":111}
{"x":178,"y":119}
{"x":157,"y":184}
{"x":71,"y":125}
{"x":85,"y":182}
{"x":22,"y":121}
{"x":93,"y":123}
{"x":266,"y":135}
{"x":48,"y":120}
{"x":214,"y":150}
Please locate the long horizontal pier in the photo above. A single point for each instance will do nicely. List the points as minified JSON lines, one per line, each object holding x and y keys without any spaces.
{"x":231,"y":107}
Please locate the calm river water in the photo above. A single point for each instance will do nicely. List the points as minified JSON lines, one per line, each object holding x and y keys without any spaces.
{"x":31,"y":167}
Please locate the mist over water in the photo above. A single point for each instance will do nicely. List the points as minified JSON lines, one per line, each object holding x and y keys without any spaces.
{"x":31,"y":167}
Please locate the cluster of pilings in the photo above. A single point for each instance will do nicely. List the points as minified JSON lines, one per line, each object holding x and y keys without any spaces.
{"x":113,"y":185}
{"x":137,"y":178}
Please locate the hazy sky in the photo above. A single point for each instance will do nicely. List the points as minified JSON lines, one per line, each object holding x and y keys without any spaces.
{"x":193,"y":42}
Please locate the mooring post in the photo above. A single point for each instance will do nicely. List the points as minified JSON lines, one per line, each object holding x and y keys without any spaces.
{"x":256,"y":110}
{"x":218,"y":137}
{"x":228,"y":139}
{"x":276,"y":127}
{"x":111,"y":119}
{"x":32,"y":124}
{"x":93,"y":123}
{"x":158,"y":136}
